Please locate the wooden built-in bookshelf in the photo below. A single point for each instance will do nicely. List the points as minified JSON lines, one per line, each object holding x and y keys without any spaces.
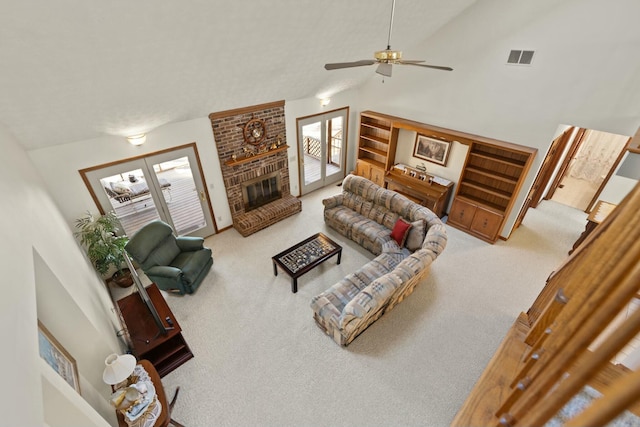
{"x":376,"y":146}
{"x":490,"y":180}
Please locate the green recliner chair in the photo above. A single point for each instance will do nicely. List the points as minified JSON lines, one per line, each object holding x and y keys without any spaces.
{"x":175,"y":264}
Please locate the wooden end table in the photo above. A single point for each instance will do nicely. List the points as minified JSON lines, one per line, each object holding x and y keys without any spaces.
{"x":305,"y":256}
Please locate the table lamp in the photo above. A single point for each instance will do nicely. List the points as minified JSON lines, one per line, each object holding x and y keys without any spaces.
{"x":118,"y":368}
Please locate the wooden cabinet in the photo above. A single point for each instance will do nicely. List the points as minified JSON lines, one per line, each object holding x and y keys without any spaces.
{"x":431,"y":195}
{"x":376,"y":146}
{"x":165,"y":352}
{"x":491,"y":178}
{"x":370,"y":171}
{"x":377,"y":175}
{"x":476,"y":218}
{"x":363,"y":169}
{"x":486,"y":223}
{"x":462,"y":213}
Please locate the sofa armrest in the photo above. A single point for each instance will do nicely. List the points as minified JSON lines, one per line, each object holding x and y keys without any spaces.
{"x":435,"y":239}
{"x":163,"y":271}
{"x":369,"y":301}
{"x":188,"y":244}
{"x":326,"y":310}
{"x":333,"y":201}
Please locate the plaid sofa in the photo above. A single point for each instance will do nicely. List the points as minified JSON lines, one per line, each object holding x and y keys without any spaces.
{"x":366,"y":213}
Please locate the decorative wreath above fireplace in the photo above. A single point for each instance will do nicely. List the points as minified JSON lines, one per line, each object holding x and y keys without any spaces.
{"x":254,"y":131}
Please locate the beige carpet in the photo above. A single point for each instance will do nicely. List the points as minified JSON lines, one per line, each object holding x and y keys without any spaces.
{"x":260,"y":359}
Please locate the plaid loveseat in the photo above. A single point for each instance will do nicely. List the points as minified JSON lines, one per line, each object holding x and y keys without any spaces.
{"x":366,"y":213}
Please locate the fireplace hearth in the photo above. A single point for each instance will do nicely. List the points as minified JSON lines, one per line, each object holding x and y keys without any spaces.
{"x":260,"y":191}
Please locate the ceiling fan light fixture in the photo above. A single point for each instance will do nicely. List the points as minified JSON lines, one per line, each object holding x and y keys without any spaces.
{"x":384,"y":68}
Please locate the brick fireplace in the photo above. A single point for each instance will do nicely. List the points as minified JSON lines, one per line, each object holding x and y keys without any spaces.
{"x":261,"y":171}
{"x":261,"y":191}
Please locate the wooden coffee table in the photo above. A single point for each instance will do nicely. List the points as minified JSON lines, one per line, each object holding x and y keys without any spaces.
{"x":305,"y":256}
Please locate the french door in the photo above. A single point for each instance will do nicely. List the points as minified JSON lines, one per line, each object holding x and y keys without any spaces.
{"x":168,"y":186}
{"x":322,"y":143}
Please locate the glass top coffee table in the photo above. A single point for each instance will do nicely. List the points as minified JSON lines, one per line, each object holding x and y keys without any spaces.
{"x":305,"y":256}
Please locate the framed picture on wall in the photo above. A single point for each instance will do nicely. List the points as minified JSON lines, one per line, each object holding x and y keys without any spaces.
{"x":431,"y":149}
{"x":57,"y":357}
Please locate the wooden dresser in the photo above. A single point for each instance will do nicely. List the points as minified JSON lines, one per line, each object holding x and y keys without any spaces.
{"x":429,"y":194}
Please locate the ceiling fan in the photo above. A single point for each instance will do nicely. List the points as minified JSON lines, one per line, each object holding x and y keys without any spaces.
{"x":385,"y":58}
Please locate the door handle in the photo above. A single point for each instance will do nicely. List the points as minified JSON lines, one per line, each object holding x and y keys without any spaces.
{"x":202,"y":195}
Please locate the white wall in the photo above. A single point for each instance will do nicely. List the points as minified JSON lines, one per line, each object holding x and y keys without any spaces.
{"x":59,"y":165}
{"x":38,"y":251}
{"x":584,"y":73}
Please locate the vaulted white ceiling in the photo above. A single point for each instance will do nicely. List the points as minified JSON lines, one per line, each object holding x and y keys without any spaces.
{"x":76,"y":70}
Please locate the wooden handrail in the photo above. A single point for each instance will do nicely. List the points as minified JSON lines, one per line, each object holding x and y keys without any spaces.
{"x":599,"y":296}
{"x":593,"y":362}
{"x":599,"y":280}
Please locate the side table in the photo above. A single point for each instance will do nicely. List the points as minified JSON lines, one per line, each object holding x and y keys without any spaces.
{"x":162,"y":419}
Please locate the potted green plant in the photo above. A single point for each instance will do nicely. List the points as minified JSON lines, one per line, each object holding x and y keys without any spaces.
{"x":105,"y":248}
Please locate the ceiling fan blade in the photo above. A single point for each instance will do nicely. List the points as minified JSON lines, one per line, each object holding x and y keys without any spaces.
{"x":339,"y":65}
{"x":436,"y":67}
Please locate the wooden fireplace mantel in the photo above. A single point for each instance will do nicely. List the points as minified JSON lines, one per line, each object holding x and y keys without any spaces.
{"x":240,"y":160}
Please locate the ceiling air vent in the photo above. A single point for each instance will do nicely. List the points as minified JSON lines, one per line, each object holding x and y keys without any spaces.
{"x":523,"y":57}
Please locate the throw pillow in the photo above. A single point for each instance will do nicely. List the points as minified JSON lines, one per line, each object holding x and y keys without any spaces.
{"x":400,"y":231}
{"x":416,"y":235}
{"x":120,"y":187}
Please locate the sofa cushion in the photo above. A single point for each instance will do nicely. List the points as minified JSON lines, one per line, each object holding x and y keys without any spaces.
{"x":391,"y":247}
{"x":400,"y":231}
{"x":120,"y":188}
{"x":342,"y":218}
{"x":364,"y":231}
{"x":416,"y":235}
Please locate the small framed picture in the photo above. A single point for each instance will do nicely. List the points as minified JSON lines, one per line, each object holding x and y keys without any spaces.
{"x":57,"y":357}
{"x":431,"y":149}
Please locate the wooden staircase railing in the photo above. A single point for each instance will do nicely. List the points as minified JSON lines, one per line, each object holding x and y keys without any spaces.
{"x":556,"y":349}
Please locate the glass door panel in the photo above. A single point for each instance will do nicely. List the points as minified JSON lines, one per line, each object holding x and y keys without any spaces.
{"x":312,"y":153}
{"x":130,"y":198}
{"x":335,"y":155}
{"x":321,"y":148}
{"x":183,"y":197}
